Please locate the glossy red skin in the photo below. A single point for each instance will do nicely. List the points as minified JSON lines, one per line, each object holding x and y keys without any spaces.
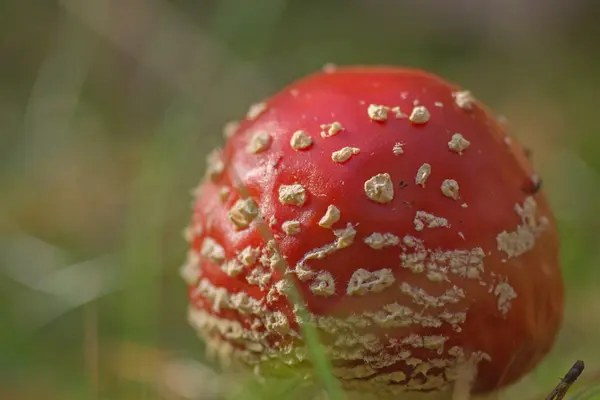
{"x":492,"y":175}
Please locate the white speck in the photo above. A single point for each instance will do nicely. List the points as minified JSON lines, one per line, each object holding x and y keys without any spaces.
{"x":277,"y":322}
{"x":422,"y":174}
{"x":332,"y":215}
{"x":300,"y":140}
{"x":256,"y":110}
{"x":243,"y":212}
{"x":212,"y":250}
{"x":464,"y":99}
{"x":345,"y":237}
{"x":294,"y":194}
{"x":259,"y":142}
{"x":272,"y":221}
{"x":522,"y":239}
{"x":380,"y":188}
{"x":398,"y":112}
{"x":190,"y":271}
{"x":424,"y":219}
{"x":458,"y":143}
{"x":344,"y":154}
{"x":214,"y":165}
{"x":505,"y":294}
{"x":378,"y":241}
{"x":363,"y":282}
{"x":331,"y":129}
{"x":398,"y":148}
{"x":378,"y":112}
{"x":323,"y":284}
{"x":419,"y":115}
{"x":230,"y":128}
{"x":232,"y":267}
{"x":434,"y":342}
{"x":291,"y":227}
{"x":224,"y":193}
{"x":450,"y":188}
{"x":248,"y":256}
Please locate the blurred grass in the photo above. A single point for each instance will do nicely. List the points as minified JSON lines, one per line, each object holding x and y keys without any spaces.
{"x":108,"y":109}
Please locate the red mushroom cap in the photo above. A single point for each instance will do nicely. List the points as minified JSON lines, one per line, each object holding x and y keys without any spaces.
{"x":406,"y":217}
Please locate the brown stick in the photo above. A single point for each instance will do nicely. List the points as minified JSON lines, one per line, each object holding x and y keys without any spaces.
{"x":565,"y":383}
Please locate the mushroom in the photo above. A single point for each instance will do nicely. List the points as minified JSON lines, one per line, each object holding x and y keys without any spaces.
{"x":412,"y":268}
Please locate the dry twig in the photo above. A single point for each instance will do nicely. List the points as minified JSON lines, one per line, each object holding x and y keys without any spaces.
{"x":565,"y":383}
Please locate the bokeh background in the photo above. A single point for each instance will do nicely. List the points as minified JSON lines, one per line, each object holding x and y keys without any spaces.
{"x":108,"y":108}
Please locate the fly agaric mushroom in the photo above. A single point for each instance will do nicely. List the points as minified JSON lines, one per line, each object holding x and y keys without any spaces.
{"x":390,"y":199}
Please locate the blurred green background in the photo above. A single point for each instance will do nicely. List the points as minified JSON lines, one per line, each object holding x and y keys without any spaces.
{"x":108,"y":108}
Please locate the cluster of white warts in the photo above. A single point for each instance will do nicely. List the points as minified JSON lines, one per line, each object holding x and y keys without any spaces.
{"x":379,"y":188}
{"x":437,"y":265}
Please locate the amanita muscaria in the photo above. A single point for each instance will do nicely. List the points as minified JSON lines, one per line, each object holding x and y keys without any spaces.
{"x":405,"y":216}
